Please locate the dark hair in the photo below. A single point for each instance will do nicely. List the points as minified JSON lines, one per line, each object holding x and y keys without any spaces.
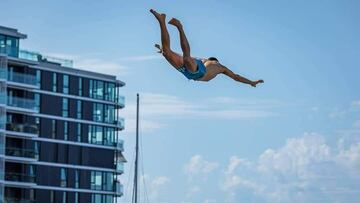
{"x":213,"y":59}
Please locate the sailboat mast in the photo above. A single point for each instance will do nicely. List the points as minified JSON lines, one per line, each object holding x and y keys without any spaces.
{"x":137,"y":151}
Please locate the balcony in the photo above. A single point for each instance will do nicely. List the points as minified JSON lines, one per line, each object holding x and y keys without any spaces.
{"x":35,"y":56}
{"x":19,"y":152}
{"x":120,"y":166}
{"x":23,"y":128}
{"x":22,"y":78}
{"x":3,"y":72}
{"x":120,"y":145}
{"x":118,"y":188}
{"x":20,"y":177}
{"x":21,"y":102}
{"x":120,"y":123}
{"x":121,"y":101}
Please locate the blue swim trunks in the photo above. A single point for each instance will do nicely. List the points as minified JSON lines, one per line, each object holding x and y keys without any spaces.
{"x":201,"y":70}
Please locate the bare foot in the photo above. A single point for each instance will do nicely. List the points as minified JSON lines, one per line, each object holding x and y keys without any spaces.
{"x":175,"y":22}
{"x":256,"y":82}
{"x":158,"y":16}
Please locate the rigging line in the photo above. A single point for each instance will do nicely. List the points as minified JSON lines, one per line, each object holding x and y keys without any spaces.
{"x":142,"y":166}
{"x":129,"y":178}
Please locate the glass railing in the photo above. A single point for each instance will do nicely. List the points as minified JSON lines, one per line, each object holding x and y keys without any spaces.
{"x":3,"y":97}
{"x":20,"y":177}
{"x":19,"y":152}
{"x":3,"y":73}
{"x":120,"y":166}
{"x":18,"y":200}
{"x":120,"y":145}
{"x":29,"y":55}
{"x":119,"y":188}
{"x":121,"y":101}
{"x":23,"y":128}
{"x":21,"y":102}
{"x":22,"y":78}
{"x":120,"y":123}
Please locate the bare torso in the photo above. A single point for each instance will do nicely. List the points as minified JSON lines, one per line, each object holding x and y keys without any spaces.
{"x":213,"y":68}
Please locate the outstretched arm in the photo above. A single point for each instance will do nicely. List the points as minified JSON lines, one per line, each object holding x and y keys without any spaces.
{"x":239,"y":78}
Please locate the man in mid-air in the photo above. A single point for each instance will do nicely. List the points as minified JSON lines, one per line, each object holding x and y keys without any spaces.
{"x":192,"y":68}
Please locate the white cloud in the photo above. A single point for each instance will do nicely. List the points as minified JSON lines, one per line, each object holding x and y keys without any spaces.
{"x":305,"y":169}
{"x":101,"y":66}
{"x":235,"y":162}
{"x":94,"y":63}
{"x":197,"y":165}
{"x":157,"y":109}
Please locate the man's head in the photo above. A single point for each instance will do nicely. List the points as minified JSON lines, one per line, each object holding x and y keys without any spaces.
{"x":213,"y":59}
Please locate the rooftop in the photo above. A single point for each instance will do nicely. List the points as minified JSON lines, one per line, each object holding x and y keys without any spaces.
{"x":12,"y":32}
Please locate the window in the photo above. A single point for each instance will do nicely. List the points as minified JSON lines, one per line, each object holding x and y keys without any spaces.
{"x":109,"y":112}
{"x":95,"y":134}
{"x":9,"y":45}
{"x":66,"y":130}
{"x":98,"y":112}
{"x":96,"y":198}
{"x":108,"y":180}
{"x":65,"y":107}
{"x":63,"y":182}
{"x":78,"y":134}
{"x":109,"y":136}
{"x":66,"y":84}
{"x":79,"y":109}
{"x":53,"y":129}
{"x":32,"y":174}
{"x":77,"y":179}
{"x":80,"y":86}
{"x":64,"y":197}
{"x":32,"y":195}
{"x":38,"y":78}
{"x":52,"y":196}
{"x":110,"y":92}
{"x":54,"y":82}
{"x":76,"y":197}
{"x":96,"y":89}
{"x":37,"y":102}
{"x":96,"y":180}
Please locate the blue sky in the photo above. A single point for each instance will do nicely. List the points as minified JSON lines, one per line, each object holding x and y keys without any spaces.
{"x":294,"y":138}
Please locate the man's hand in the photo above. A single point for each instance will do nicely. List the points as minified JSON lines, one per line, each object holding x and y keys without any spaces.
{"x":254,"y":83}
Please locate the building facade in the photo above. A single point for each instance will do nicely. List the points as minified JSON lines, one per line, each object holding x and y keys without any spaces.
{"x":59,"y":129}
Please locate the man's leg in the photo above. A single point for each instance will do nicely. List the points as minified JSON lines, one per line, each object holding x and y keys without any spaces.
{"x":173,"y":58}
{"x":189,"y":62}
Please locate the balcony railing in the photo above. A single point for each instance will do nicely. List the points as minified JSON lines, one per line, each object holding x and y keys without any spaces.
{"x":18,"y":200}
{"x":118,"y":188}
{"x":19,"y":152}
{"x":23,"y":128}
{"x":120,"y":145}
{"x":121,"y":101}
{"x":35,"y":56}
{"x":20,"y":177}
{"x":3,"y":72}
{"x":120,"y":123}
{"x":22,"y":78}
{"x":21,"y":102}
{"x":119,"y":166}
